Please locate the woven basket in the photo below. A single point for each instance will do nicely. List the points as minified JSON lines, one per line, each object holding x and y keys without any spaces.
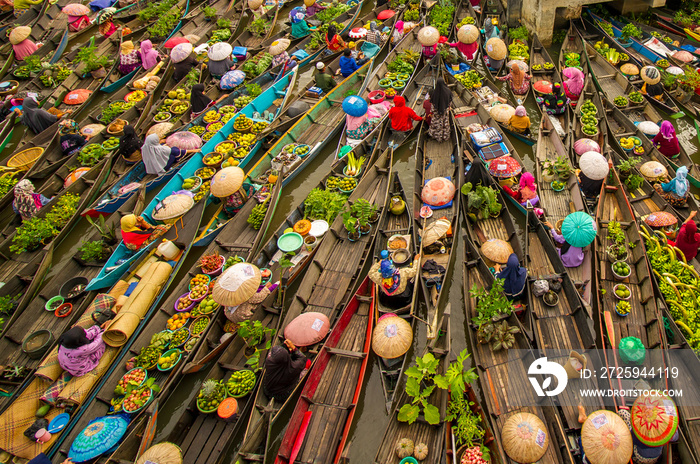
{"x":25,"y":159}
{"x":111,"y":125}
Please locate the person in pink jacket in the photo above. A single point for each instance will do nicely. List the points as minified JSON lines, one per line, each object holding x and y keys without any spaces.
{"x":80,"y":350}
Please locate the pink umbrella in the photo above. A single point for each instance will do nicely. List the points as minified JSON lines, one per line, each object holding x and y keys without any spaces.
{"x":307,"y":329}
{"x":358,"y":33}
{"x":76,"y":9}
{"x":184,"y":140}
{"x":505,"y":166}
{"x":438,"y":191}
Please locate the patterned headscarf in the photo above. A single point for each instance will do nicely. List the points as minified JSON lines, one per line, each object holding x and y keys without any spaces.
{"x":24,"y":199}
{"x":68,"y":126}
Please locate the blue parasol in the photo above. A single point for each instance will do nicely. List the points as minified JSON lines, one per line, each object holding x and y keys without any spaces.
{"x":98,"y":437}
{"x":578,"y":229}
{"x":232,"y":79}
{"x":355,"y":106}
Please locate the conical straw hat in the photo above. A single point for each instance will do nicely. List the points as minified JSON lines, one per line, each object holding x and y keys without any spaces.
{"x":629,"y":69}
{"x":307,"y":329}
{"x":392,"y":337}
{"x":594,"y":165}
{"x":525,"y":437}
{"x":468,"y":34}
{"x":278,"y":46}
{"x":654,"y":419}
{"x":495,"y":49}
{"x":162,"y":453}
{"x":20,"y":33}
{"x":220,"y":51}
{"x":650,"y":75}
{"x":237,"y":284}
{"x":181,"y":51}
{"x":653,"y":170}
{"x":435,"y":231}
{"x":428,"y":36}
{"x":227,"y":181}
{"x":173,"y":206}
{"x":255,"y":4}
{"x":497,"y":250}
{"x":76,"y":9}
{"x":606,"y":439}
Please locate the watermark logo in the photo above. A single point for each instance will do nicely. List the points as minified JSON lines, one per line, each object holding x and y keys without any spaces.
{"x":550,"y":370}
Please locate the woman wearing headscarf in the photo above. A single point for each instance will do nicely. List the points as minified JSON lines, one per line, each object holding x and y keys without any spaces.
{"x":555,"y":102}
{"x":80,"y":350}
{"x":158,"y":158}
{"x":571,"y":256}
{"x":333,"y":40}
{"x":675,"y":192}
{"x":666,"y":141}
{"x":514,"y":277}
{"x":198,"y":101}
{"x":395,"y":283}
{"x":520,"y":122}
{"x":107,"y":26}
{"x":183,"y":67}
{"x":528,"y":189}
{"x":129,"y":58}
{"x":71,"y":141}
{"x":245,"y":311}
{"x":21,"y":6}
{"x":374,"y":35}
{"x":35,"y":118}
{"x":27,"y":203}
{"x":24,"y":49}
{"x":217,"y":68}
{"x":78,"y":23}
{"x":518,"y":79}
{"x":688,"y":239}
{"x":129,"y":143}
{"x":440,"y":100}
{"x":298,"y":19}
{"x":357,"y":127}
{"x":398,"y":32}
{"x":149,"y":56}
{"x":283,"y":367}
{"x":313,"y":7}
{"x":490,"y":29}
{"x":573,"y":85}
{"x":137,"y":232}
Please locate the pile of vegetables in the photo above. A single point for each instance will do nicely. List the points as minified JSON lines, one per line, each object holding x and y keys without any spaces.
{"x":39,"y":231}
{"x":133,"y":397}
{"x":482,"y":202}
{"x":7,"y":183}
{"x":257,"y":215}
{"x":332,"y":12}
{"x":465,"y":21}
{"x":257,"y":65}
{"x":621,"y":102}
{"x":210,"y":396}
{"x":323,"y":204}
{"x":589,"y":122}
{"x":113,"y":110}
{"x":470,"y":79}
{"x":404,"y":63}
{"x":441,"y":16}
{"x":636,"y":97}
{"x":518,"y":51}
{"x":572,"y":60}
{"x":240,"y":383}
{"x":412,"y":14}
{"x":165,"y":23}
{"x":354,"y":164}
{"x":54,"y":74}
{"x":91,"y":154}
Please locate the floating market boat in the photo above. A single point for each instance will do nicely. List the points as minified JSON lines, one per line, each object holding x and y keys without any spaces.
{"x":493,"y":9}
{"x":253,"y":36}
{"x":582,"y":130}
{"x":547,"y":72}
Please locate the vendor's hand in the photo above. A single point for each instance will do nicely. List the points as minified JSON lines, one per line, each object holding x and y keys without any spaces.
{"x":497,"y":267}
{"x":548,"y":224}
{"x":288,"y":343}
{"x":692,"y":214}
{"x":67,"y":461}
{"x":17,"y":111}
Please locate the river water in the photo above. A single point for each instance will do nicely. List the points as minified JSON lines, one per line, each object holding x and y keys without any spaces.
{"x":370,"y":419}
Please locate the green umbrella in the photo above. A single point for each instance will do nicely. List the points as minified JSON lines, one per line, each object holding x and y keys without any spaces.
{"x":578,"y":229}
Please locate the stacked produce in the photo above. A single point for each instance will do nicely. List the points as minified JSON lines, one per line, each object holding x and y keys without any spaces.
{"x":518,"y":51}
{"x":470,"y":79}
{"x":589,"y":121}
{"x":91,"y":154}
{"x":256,"y":65}
{"x":173,"y":106}
{"x":113,"y":110}
{"x":240,"y":383}
{"x":210,"y":396}
{"x":257,"y":215}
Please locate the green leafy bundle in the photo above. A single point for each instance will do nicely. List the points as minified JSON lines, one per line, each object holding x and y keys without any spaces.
{"x":323,"y":204}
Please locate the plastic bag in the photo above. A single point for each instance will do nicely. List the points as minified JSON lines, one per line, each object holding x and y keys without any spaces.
{"x":632,"y":350}
{"x":540,"y":287}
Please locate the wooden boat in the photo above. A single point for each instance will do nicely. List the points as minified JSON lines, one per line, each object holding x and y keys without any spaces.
{"x":437,"y":159}
{"x":319,"y":125}
{"x":252,"y":40}
{"x":421,"y":431}
{"x":667,"y":23}
{"x":564,"y":327}
{"x":559,"y":204}
{"x":650,"y":33}
{"x":324,"y":400}
{"x":621,"y":125}
{"x":589,"y":93}
{"x":502,"y":374}
{"x":540,"y":57}
{"x":572,"y":44}
{"x":329,"y":282}
{"x":392,"y":225}
{"x":492,"y":9}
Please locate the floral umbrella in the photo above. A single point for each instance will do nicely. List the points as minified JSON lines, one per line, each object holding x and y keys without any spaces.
{"x":185,"y":140}
{"x":660,"y":219}
{"x":504,"y":167}
{"x":76,"y":9}
{"x":232,"y":79}
{"x":438,"y":191}
{"x":98,"y":437}
{"x":358,"y":32}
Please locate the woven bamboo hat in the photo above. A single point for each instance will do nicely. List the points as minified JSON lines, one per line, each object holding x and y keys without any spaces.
{"x":629,"y":69}
{"x":468,"y":34}
{"x":495,"y":49}
{"x":162,"y":453}
{"x":502,"y":113}
{"x":428,"y":36}
{"x":227,"y":181}
{"x":654,"y":419}
{"x":181,"y":51}
{"x":650,"y":75}
{"x":606,"y":439}
{"x":660,"y":219}
{"x":594,"y":165}
{"x":653,"y":170}
{"x":173,"y":206}
{"x":307,"y":328}
{"x":308,"y":3}
{"x":525,"y":437}
{"x":278,"y":46}
{"x":20,"y":33}
{"x":435,"y":231}
{"x":161,"y":129}
{"x":219,"y":51}
{"x":497,"y":250}
{"x":237,"y":284}
{"x":392,"y":337}
{"x":255,"y":4}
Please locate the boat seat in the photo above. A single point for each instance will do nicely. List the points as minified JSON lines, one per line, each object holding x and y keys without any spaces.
{"x":346,"y":353}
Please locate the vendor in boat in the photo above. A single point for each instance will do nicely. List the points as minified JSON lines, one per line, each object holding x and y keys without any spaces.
{"x":35,"y":118}
{"x":323,"y":79}
{"x":440,"y":99}
{"x":676,"y":191}
{"x":27,"y":203}
{"x":233,"y":203}
{"x":300,"y":27}
{"x":666,"y":141}
{"x":80,"y":350}
{"x":149,"y":56}
{"x":71,"y":141}
{"x":348,"y":64}
{"x":278,"y":50}
{"x":514,"y":277}
{"x":22,"y":44}
{"x":182,"y":68}
{"x":219,"y":67}
{"x":526,"y":192}
{"x":21,"y":6}
{"x":573,"y":84}
{"x":245,"y":311}
{"x":159,"y":158}
{"x":129,"y":144}
{"x":283,"y":367}
{"x":468,"y":41}
{"x":129,"y":58}
{"x":396,"y":283}
{"x":491,"y":29}
{"x":256,"y":6}
{"x":137,"y":232}
{"x":357,"y":127}
{"x":398,"y":32}
{"x":334,"y":42}
{"x":688,"y":238}
{"x":495,"y":56}
{"x":312,"y":7}
{"x":106,"y":25}
{"x":78,"y":23}
{"x":374,"y":35}
{"x":571,"y":256}
{"x":520,"y":121}
{"x":652,"y":82}
{"x":199,"y":102}
{"x":518,"y":79}
{"x":402,"y":116}
{"x":555,"y":102}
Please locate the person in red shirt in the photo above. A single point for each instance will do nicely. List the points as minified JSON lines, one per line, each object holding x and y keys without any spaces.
{"x":688,"y":239}
{"x":402,"y":116}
